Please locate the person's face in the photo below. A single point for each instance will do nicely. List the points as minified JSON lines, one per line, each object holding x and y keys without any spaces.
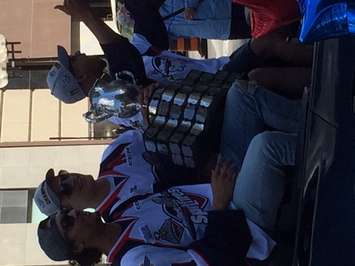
{"x":77,"y":226}
{"x":86,"y":69}
{"x":73,"y":189}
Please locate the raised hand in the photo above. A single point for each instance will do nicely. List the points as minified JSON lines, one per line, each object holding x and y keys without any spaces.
{"x":222,"y":182}
{"x":77,"y":9}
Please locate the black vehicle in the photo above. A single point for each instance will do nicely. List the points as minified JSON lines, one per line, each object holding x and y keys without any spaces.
{"x":326,"y":178}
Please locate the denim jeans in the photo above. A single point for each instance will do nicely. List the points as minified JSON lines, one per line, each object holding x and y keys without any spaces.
{"x":250,"y":110}
{"x":261,"y":182}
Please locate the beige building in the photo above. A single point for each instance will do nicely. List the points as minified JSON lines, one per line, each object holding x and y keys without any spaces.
{"x":38,"y":132}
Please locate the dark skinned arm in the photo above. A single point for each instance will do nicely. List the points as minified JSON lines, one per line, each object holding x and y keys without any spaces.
{"x":275,"y":47}
{"x":80,"y":9}
{"x":286,"y":81}
{"x":149,"y":23}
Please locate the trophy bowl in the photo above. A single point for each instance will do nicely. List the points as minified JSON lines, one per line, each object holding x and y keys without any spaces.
{"x":114,"y":98}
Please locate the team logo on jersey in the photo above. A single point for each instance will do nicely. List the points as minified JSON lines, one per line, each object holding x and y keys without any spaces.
{"x":171,"y":69}
{"x":184,"y":208}
{"x":170,"y":231}
{"x":116,"y":158}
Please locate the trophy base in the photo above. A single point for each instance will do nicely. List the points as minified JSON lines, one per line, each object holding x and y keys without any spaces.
{"x":185,"y":120}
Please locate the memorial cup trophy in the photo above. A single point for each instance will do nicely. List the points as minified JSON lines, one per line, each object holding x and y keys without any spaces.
{"x":185,"y":119}
{"x":115,"y":98}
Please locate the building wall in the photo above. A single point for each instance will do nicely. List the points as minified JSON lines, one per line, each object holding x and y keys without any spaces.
{"x":36,"y":24}
{"x":29,"y":118}
{"x":25,"y":167}
{"x":19,"y":246}
{"x":35,"y":115}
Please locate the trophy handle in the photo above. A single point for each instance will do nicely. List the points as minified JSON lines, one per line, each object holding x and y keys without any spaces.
{"x":93,"y":116}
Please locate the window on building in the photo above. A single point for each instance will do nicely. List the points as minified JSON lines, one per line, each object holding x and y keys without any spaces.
{"x":16,"y":206}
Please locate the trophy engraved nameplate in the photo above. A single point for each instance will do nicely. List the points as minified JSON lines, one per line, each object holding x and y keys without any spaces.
{"x":154,"y":102}
{"x":159,"y":121}
{"x":177,"y":107}
{"x":163,"y":148}
{"x":177,"y":159}
{"x":184,"y":126}
{"x":186,"y":90}
{"x":206,"y":78}
{"x":201,"y":114}
{"x":197,"y":129}
{"x":149,"y":139}
{"x":187,"y":144}
{"x":175,"y":143}
{"x":184,"y":117}
{"x":189,"y":162}
{"x":201,"y":88}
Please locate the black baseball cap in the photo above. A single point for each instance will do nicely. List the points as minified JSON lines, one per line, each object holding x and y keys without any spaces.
{"x":52,"y":242}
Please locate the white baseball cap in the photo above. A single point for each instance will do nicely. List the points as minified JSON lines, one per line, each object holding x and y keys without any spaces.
{"x":61,"y":81}
{"x":45,"y":198}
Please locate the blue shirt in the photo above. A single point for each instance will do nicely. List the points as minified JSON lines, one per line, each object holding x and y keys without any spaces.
{"x":211,"y":21}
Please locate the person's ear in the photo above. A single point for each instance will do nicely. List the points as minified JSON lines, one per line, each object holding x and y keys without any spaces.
{"x":65,"y":203}
{"x":78,"y":247}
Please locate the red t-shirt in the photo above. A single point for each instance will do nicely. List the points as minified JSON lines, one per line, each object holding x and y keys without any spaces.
{"x":267,"y":16}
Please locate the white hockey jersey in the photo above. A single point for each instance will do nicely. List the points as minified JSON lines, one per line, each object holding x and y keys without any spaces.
{"x":169,"y":67}
{"x":159,"y":228}
{"x":124,"y":167}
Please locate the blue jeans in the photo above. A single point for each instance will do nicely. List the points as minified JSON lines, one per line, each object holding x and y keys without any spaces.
{"x":261,"y":182}
{"x":250,"y":110}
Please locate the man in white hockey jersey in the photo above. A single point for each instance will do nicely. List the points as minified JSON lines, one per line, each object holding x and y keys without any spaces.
{"x":188,"y":225}
{"x":123,"y":173}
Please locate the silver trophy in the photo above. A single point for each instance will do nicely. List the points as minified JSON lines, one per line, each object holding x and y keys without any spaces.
{"x":115,"y":99}
{"x":185,"y":119}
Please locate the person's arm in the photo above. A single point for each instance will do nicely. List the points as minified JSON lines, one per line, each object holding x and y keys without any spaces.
{"x":227,"y":237}
{"x":243,"y":60}
{"x":119,"y":52}
{"x":226,"y":242}
{"x":222,"y":183}
{"x":80,"y":9}
{"x":276,"y":47}
{"x":286,"y":81}
{"x":149,"y":23}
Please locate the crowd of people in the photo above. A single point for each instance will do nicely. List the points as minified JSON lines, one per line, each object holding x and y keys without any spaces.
{"x":144,"y":213}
